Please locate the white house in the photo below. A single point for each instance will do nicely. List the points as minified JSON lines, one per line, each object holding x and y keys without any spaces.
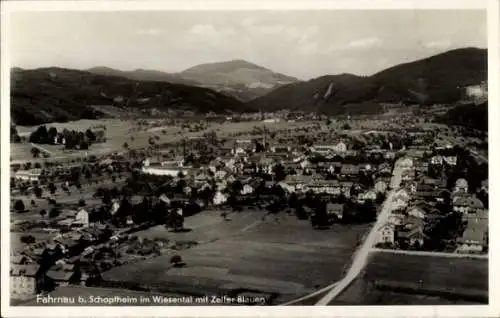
{"x":82,"y":217}
{"x":219,"y":198}
{"x":386,"y":234}
{"x":461,"y":185}
{"x":405,"y":163}
{"x":380,"y":186}
{"x":340,"y":147}
{"x":247,"y":189}
{"x":417,"y":212}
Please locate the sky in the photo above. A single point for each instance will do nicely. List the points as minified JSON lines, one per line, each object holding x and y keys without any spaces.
{"x":304,"y":44}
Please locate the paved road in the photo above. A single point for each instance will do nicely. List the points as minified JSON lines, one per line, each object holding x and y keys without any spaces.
{"x":426,"y":253}
{"x":361,"y":255}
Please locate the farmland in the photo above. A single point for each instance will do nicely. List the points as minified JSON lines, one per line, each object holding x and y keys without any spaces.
{"x":466,"y":278}
{"x":119,"y":132}
{"x":267,"y":256}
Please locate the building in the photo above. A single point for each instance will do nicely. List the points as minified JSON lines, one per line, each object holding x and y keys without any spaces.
{"x":219,"y":198}
{"x":335,"y":211}
{"x":467,"y":204}
{"x":474,"y":240}
{"x":25,"y":280}
{"x":380,"y":186}
{"x":28,"y":175}
{"x":386,"y":234}
{"x":82,"y":218}
{"x":461,"y":186}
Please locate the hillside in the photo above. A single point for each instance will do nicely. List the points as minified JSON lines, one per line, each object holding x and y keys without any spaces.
{"x":468,"y":115}
{"x":437,"y":79}
{"x":240,"y":79}
{"x":237,"y":78}
{"x":142,"y":75}
{"x":56,"y":94}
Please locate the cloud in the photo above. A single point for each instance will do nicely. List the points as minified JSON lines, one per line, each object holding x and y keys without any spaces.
{"x":149,"y":32}
{"x":440,"y":44}
{"x":365,"y":43}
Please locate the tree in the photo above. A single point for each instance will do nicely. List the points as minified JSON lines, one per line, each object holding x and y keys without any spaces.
{"x":43,"y":213}
{"x":28,"y":239}
{"x":38,"y":191}
{"x":81,"y":202}
{"x":52,"y":188}
{"x":54,"y":212}
{"x":19,"y":206}
{"x":35,"y":152}
{"x":175,"y":221}
{"x":125,"y":145}
{"x":177,"y":261}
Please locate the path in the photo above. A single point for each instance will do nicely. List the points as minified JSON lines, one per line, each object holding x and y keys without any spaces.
{"x":41,"y":148}
{"x":361,"y":255}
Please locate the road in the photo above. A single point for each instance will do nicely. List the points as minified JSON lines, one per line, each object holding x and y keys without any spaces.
{"x":426,"y":253}
{"x":361,"y":255}
{"x":42,"y":149}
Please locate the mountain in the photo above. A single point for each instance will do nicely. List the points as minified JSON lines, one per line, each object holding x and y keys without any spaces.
{"x":142,"y":75}
{"x":437,"y":79}
{"x":57,"y":94}
{"x":468,"y":115}
{"x":238,"y":78}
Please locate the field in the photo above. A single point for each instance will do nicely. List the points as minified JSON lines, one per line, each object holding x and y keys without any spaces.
{"x":283,"y":256}
{"x":462,"y":277}
{"x":120,"y":131}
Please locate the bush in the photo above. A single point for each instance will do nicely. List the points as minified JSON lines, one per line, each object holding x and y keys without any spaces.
{"x":54,"y":212}
{"x":177,"y":261}
{"x":19,"y":206}
{"x":28,"y":239}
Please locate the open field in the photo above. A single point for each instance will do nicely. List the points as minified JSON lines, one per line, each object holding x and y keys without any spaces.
{"x":120,"y":131}
{"x":464,"y":279}
{"x":285,"y":256}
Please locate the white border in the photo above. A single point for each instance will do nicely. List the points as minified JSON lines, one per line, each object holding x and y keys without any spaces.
{"x":493,"y":310}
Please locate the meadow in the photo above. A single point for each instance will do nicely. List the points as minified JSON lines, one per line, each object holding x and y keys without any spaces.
{"x":276,"y":255}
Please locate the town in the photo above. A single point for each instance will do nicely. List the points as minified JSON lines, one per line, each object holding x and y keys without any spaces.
{"x":76,"y":220}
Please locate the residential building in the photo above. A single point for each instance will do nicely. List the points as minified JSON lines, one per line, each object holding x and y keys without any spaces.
{"x":25,"y":280}
{"x":82,"y":218}
{"x":461,"y":186}
{"x":335,"y":211}
{"x":386,"y":234}
{"x":467,"y":204}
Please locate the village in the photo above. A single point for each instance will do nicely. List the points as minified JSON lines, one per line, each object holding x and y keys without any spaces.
{"x":76,"y":219}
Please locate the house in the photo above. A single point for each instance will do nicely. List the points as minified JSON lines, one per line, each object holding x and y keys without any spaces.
{"x":473,"y":240}
{"x":220,"y":174}
{"x":386,"y":234}
{"x":63,"y":274}
{"x":340,"y":147}
{"x":247,"y":189}
{"x":437,"y":160}
{"x":417,"y":212}
{"x":408,"y":175}
{"x":410,"y":235}
{"x":450,"y":160}
{"x":405,"y":163}
{"x":349,"y":170}
{"x":368,"y":195}
{"x":467,"y":204}
{"x":219,"y":198}
{"x":335,"y":211}
{"x":325,"y":186}
{"x":82,"y":218}
{"x":461,"y":186}
{"x":25,"y":280}
{"x":28,"y":175}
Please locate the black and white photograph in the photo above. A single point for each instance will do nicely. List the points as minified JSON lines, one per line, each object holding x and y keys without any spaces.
{"x":228,"y":157}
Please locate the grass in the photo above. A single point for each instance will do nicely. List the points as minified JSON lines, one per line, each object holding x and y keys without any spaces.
{"x":459,"y":276}
{"x":288,"y":257}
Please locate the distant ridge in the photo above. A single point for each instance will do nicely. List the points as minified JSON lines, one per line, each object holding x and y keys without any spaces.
{"x":57,"y":94}
{"x":436,"y":79}
{"x":237,"y":78}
